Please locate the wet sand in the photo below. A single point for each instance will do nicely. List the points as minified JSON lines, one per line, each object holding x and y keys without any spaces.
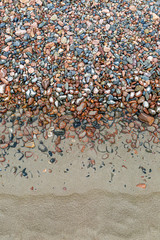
{"x":96,"y":214}
{"x":82,"y":203}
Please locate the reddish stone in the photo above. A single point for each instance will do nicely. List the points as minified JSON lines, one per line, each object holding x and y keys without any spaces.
{"x":45,"y":84}
{"x":146,"y":118}
{"x":3,"y":73}
{"x":62,"y":125}
{"x":30,"y":101}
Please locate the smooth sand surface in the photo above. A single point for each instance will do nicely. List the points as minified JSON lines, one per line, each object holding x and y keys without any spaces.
{"x":94,"y":215}
{"x":82,"y":203}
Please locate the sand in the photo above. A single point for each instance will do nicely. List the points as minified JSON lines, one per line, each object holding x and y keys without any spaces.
{"x":82,"y":203}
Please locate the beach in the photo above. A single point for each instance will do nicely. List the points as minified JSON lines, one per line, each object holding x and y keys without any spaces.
{"x":79,"y":120}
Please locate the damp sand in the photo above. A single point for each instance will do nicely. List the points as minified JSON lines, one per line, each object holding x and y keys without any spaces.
{"x":84,"y":202}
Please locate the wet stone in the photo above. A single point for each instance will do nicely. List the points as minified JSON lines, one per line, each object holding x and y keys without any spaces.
{"x":42,"y":147}
{"x":59,"y":132}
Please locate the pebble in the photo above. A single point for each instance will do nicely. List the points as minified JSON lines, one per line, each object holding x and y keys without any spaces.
{"x":133,"y":8}
{"x":3,"y":73}
{"x":2,"y":88}
{"x":146,"y":104}
{"x":81,"y":107}
{"x":42,"y":147}
{"x":146,"y":118}
{"x":30,"y":144}
{"x":20,"y":32}
{"x":45,"y":84}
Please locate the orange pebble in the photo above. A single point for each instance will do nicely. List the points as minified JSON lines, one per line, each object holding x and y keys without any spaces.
{"x":141,"y":185}
{"x":82,"y":149}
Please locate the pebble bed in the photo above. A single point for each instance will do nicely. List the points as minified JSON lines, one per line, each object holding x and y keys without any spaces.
{"x":78,"y":66}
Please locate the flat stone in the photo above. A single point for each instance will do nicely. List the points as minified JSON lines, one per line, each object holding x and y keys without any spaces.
{"x":146,"y":118}
{"x":62,"y":125}
{"x":92,"y":113}
{"x":106,"y":49}
{"x":45,"y":84}
{"x":3,"y":73}
{"x":81,"y":107}
{"x":64,"y":40}
{"x":139,"y":88}
{"x":54,"y":17}
{"x":133,"y":8}
{"x":20,"y":32}
{"x":30,"y":144}
{"x":146,"y":104}
{"x":59,"y":132}
{"x":30,"y":101}
{"x":2,"y":88}
{"x":155,"y":16}
{"x":24,"y":1}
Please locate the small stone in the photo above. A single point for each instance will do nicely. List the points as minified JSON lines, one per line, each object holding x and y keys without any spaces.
{"x":58,"y":90}
{"x":95,"y":90}
{"x":54,"y":17}
{"x":30,"y":144}
{"x":111,"y":102}
{"x":155,"y":16}
{"x":45,"y":84}
{"x":32,"y":93}
{"x":24,"y":1}
{"x":62,"y":125}
{"x":81,"y":107}
{"x":30,"y":101}
{"x":92,"y":113}
{"x":146,"y":118}
{"x":20,"y":32}
{"x":139,"y":88}
{"x":157,"y":109}
{"x":145,"y":104}
{"x":51,"y":100}
{"x":56,"y":103}
{"x":82,"y":134}
{"x":152,"y":111}
{"x":3,"y":73}
{"x":39,"y":2}
{"x":42,"y":148}
{"x":107,"y":27}
{"x":59,"y":132}
{"x":79,"y":100}
{"x":141,"y":185}
{"x":133,"y":8}
{"x":61,"y":23}
{"x":64,"y":40}
{"x":2,"y":88}
{"x":95,"y":42}
{"x":151,"y":128}
{"x":106,"y":49}
{"x":105,"y":10}
{"x":31,"y":70}
{"x":89,"y":133}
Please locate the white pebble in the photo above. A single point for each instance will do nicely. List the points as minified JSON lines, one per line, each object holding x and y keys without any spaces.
{"x":95,"y":90}
{"x":51,"y":100}
{"x":2,"y":88}
{"x":58,"y":89}
{"x":145,"y":104}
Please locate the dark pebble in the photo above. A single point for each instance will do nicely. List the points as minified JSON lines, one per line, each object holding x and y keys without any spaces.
{"x":24,"y":172}
{"x":52,"y":160}
{"x":42,"y":148}
{"x":76,"y":124}
{"x":50,"y":153}
{"x":59,"y":132}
